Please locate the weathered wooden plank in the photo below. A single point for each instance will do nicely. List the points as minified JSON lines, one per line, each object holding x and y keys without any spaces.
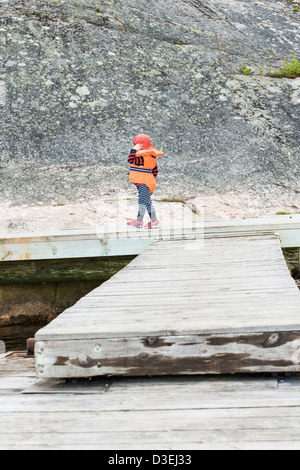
{"x":185,"y":303}
{"x":9,"y":372}
{"x":253,"y":445}
{"x":56,"y":386}
{"x":197,"y":298}
{"x":210,"y":262}
{"x":198,"y":319}
{"x":9,"y":369}
{"x":96,"y":332}
{"x":122,"y":295}
{"x":70,"y":246}
{"x":224,"y":285}
{"x":236,"y":242}
{"x":165,"y":273}
{"x":177,"y":424}
{"x":98,"y":242}
{"x":16,"y":382}
{"x":217,"y":354}
{"x":86,"y":327}
{"x":200,"y":383}
{"x":154,"y":437}
{"x":233,"y":400}
{"x":161,"y":384}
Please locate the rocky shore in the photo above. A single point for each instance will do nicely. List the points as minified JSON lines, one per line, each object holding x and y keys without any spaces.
{"x":79,"y":78}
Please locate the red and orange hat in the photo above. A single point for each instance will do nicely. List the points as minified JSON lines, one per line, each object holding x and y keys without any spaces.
{"x":143,"y":140}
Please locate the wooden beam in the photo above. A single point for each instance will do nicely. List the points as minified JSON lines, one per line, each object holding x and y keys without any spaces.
{"x":98,"y":242}
{"x":172,"y":355}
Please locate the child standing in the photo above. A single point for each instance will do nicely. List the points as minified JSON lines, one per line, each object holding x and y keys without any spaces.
{"x":143,"y":171}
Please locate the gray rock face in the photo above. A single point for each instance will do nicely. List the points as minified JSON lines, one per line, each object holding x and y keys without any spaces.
{"x":80,"y":78}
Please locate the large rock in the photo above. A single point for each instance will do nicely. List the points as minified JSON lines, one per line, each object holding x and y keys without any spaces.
{"x":79,"y":78}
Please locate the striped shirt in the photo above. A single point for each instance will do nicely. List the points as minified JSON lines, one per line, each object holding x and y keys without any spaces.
{"x":139,"y":161}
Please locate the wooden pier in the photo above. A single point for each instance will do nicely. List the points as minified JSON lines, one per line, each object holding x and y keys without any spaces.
{"x":167,"y":354}
{"x":212,"y":305}
{"x":255,"y":412}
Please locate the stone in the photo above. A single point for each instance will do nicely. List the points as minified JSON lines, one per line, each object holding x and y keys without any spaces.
{"x":83,"y":91}
{"x":94,"y":79}
{"x":2,"y":93}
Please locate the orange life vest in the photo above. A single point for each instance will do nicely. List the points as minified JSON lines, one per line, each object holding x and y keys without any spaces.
{"x":143,"y":174}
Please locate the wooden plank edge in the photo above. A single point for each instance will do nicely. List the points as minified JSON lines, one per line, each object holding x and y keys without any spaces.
{"x":173,"y":355}
{"x":45,"y":334}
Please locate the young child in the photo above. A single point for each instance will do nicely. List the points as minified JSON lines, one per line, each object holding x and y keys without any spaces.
{"x":143,"y":171}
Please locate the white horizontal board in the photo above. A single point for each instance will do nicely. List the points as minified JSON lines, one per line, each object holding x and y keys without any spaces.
{"x":97,"y":241}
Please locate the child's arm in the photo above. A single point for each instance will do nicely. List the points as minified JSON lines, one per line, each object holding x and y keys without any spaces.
{"x":134,"y":160}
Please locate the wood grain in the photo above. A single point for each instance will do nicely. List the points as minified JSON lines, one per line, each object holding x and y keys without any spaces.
{"x":182,"y":307}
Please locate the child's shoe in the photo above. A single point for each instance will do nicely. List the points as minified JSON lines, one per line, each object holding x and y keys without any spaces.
{"x":135,"y":223}
{"x":152,"y":224}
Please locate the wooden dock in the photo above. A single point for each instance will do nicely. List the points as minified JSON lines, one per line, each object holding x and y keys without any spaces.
{"x":244,"y":412}
{"x":97,"y":242}
{"x":213,"y":305}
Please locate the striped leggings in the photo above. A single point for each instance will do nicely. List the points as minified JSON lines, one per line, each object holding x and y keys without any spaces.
{"x":145,"y":203}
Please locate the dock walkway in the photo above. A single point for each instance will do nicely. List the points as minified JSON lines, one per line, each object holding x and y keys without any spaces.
{"x":159,"y":413}
{"x":214,"y":305}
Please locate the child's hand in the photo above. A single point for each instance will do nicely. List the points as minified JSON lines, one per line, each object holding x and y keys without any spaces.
{"x":138,"y":147}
